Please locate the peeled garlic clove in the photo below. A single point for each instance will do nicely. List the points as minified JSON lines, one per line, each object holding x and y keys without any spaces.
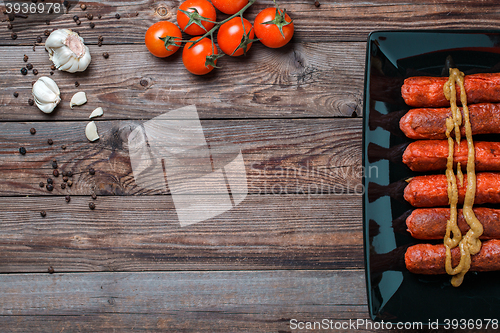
{"x":68,"y":51}
{"x":91,"y":131}
{"x":46,"y":94}
{"x":97,"y":113}
{"x":78,"y":99}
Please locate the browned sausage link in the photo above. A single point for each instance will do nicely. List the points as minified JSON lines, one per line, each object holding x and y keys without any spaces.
{"x":426,"y":91}
{"x":432,"y":190}
{"x":429,"y":259}
{"x":430,"y":123}
{"x":431,"y":155}
{"x":430,"y":223}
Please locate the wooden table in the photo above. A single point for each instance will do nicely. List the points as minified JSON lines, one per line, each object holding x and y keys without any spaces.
{"x":288,"y":251}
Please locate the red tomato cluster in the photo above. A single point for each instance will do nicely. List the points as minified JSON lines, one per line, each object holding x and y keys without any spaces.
{"x":273,"y":27}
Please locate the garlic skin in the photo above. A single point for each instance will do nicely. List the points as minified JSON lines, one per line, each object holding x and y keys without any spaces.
{"x":78,"y":99}
{"x":91,"y":131}
{"x":46,"y":94}
{"x":67,"y":51}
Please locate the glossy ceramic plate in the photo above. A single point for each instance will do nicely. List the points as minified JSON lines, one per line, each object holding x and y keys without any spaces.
{"x":394,"y":294}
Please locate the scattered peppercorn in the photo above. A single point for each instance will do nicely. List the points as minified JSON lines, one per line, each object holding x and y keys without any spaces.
{"x":10,"y":26}
{"x":117,"y":16}
{"x":63,"y":186}
{"x":70,"y":183}
{"x":75,"y":18}
{"x":105,"y":55}
{"x":41,"y":184}
{"x":78,"y":22}
{"x":92,"y":25}
{"x":92,"y":206}
{"x":94,"y":196}
{"x":83,"y":6}
{"x":16,"y":94}
{"x":47,"y":22}
{"x":63,"y":147}
{"x":66,"y":3}
{"x":32,"y":131}
{"x":89,"y":16}
{"x":144,"y":82}
{"x":50,"y":270}
{"x":35,"y":71}
{"x":46,"y":33}
{"x":13,"y":35}
{"x":99,"y":43}
{"x":29,"y":66}
{"x":317,"y":4}
{"x":67,"y":198}
{"x":65,"y":178}
{"x":50,"y":181}
{"x":43,"y":213}
{"x":99,"y":16}
{"x":24,"y":71}
{"x":50,"y":187}
{"x":39,"y":39}
{"x":51,"y":73}
{"x":22,"y":151}
{"x":50,"y":142}
{"x":54,"y":164}
{"x":77,"y":84}
{"x":100,"y":38}
{"x":31,"y":102}
{"x":69,"y":174}
{"x":55,"y":173}
{"x":53,"y":67}
{"x":92,"y":171}
{"x":25,"y":58}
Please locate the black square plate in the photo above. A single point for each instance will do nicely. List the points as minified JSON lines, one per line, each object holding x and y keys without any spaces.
{"x":394,"y":294}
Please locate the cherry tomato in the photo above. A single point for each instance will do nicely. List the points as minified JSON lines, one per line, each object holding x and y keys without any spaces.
{"x":159,"y":47}
{"x":195,"y":58}
{"x":230,"y":36}
{"x":229,"y":6}
{"x":204,"y":9}
{"x":270,"y":34}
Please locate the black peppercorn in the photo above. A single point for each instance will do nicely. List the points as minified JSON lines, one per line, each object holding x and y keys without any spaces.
{"x":83,"y":6}
{"x":77,"y":84}
{"x":92,"y":171}
{"x":67,"y":198}
{"x":41,"y":184}
{"x":69,"y":174}
{"x":92,"y":206}
{"x":99,"y":43}
{"x":46,"y":33}
{"x":25,"y":58}
{"x":63,"y":147}
{"x":117,"y":16}
{"x":53,"y":67}
{"x":22,"y":151}
{"x":92,"y":25}
{"x":75,"y":18}
{"x":35,"y":71}
{"x":51,"y":73}
{"x":65,"y":178}
{"x":32,"y":131}
{"x":54,"y":164}
{"x":78,"y":22}
{"x":29,"y":66}
{"x":50,"y":270}
{"x":50,"y":187}
{"x":31,"y":102}
{"x":94,"y":196}
{"x":39,"y":39}
{"x":90,"y":16}
{"x":70,"y":183}
{"x":50,"y":181}
{"x":317,"y":4}
{"x":66,"y":3}
{"x":100,"y":38}
{"x":99,"y":16}
{"x":24,"y":71}
{"x":50,"y":142}
{"x":16,"y":94}
{"x":55,"y":173}
{"x":63,"y":186}
{"x":105,"y":55}
{"x":13,"y":35}
{"x":43,"y":213}
{"x":10,"y":26}
{"x":143,"y":82}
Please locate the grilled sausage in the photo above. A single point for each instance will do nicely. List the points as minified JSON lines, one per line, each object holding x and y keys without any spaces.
{"x":430,"y":223}
{"x":431,"y":155}
{"x":429,"y":123}
{"x":426,"y":91}
{"x":429,"y":259}
{"x":432,"y":190}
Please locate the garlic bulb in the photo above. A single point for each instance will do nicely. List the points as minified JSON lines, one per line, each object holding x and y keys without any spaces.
{"x":67,"y":51}
{"x":46,"y":94}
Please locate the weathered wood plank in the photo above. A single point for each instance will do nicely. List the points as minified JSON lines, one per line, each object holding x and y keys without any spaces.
{"x":300,"y":80}
{"x":333,"y":21}
{"x":143,"y":234}
{"x":179,"y":301}
{"x":280,"y":156}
